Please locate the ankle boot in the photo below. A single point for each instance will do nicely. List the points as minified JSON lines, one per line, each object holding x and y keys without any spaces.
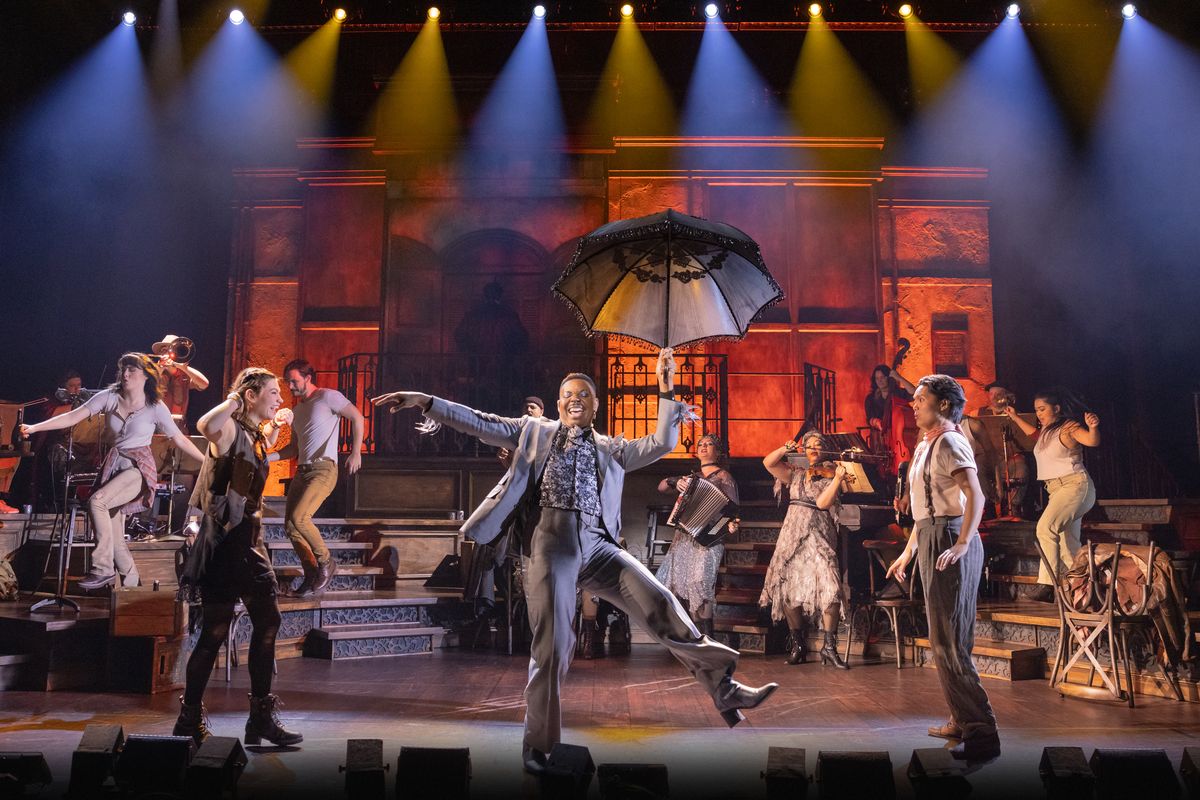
{"x":619,"y":638}
{"x":305,"y":587}
{"x":799,"y":652}
{"x":591,"y":639}
{"x":829,"y":652}
{"x":326,"y":570}
{"x":264,"y":723}
{"x":192,"y":721}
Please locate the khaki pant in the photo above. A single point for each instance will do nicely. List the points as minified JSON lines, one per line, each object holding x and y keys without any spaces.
{"x":1060,"y":526}
{"x":308,"y":490}
{"x":108,"y":523}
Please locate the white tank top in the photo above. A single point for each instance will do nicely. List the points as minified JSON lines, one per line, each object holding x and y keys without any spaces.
{"x":1054,"y":460}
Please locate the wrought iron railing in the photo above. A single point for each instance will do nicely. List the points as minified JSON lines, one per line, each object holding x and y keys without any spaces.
{"x":499,"y":384}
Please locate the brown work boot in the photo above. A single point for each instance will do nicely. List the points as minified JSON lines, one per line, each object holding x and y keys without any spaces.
{"x":325,"y":571}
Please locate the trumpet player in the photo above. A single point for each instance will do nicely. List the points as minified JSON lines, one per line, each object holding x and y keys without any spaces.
{"x":179,"y":377}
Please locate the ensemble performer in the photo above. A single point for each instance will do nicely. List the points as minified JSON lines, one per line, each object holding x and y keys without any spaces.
{"x":572,"y":479}
{"x":946,"y":501}
{"x":227,"y":562}
{"x":689,"y":569}
{"x":134,"y":412}
{"x":179,"y":380}
{"x":1066,"y":426}
{"x":804,"y":578}
{"x":886,"y":407}
{"x":318,"y":414}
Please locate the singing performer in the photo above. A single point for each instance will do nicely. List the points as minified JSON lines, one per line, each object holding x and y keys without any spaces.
{"x":886,"y":407}
{"x":572,"y":479}
{"x":946,"y":501}
{"x":689,"y":570}
{"x":228,"y":562}
{"x":134,"y":412}
{"x":804,"y":578}
{"x":1066,"y":426}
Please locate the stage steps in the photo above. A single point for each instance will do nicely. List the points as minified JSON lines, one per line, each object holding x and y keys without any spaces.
{"x":376,"y":605}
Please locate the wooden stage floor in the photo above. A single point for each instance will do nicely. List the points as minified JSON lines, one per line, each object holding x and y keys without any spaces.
{"x":638,"y":708}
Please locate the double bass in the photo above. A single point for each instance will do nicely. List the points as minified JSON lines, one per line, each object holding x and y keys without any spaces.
{"x":899,"y":433}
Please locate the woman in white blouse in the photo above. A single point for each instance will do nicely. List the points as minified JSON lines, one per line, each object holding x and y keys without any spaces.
{"x":134,"y":412}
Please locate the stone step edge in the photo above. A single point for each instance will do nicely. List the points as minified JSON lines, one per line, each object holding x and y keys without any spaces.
{"x":378,"y":631}
{"x":995,"y":649}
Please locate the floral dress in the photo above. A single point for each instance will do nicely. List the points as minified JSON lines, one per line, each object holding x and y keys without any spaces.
{"x":689,"y":570}
{"x":804,"y":571}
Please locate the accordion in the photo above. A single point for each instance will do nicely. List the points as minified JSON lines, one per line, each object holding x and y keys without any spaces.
{"x":703,"y":512}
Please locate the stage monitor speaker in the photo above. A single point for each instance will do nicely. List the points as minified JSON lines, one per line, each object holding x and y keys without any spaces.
{"x":1189,"y":769}
{"x":433,"y":773}
{"x":216,"y":767}
{"x":154,"y":763}
{"x":21,"y":771}
{"x":93,"y":760}
{"x":569,"y":772}
{"x":850,"y":773}
{"x":1066,"y":774}
{"x":632,"y":781}
{"x":1133,"y":773}
{"x":936,"y":775}
{"x":786,"y":776}
{"x":364,"y":770}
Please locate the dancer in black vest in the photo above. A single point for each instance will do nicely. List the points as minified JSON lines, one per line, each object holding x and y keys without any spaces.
{"x":227,"y":561}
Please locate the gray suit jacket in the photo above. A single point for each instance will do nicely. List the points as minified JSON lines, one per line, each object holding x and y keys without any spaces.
{"x":530,"y":439}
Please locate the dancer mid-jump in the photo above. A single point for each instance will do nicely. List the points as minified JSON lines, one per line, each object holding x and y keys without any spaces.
{"x":569,"y":479}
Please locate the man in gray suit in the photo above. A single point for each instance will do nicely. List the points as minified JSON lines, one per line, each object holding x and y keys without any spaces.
{"x":567,"y":480}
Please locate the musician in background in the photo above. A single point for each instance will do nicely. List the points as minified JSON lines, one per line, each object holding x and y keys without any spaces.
{"x":134,"y":412}
{"x":179,"y":380}
{"x":886,"y":407}
{"x":805,"y":579}
{"x":690,"y":569}
{"x":999,"y":398}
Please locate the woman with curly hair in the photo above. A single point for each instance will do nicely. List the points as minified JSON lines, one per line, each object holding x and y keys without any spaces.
{"x":804,"y":578}
{"x":134,"y":413}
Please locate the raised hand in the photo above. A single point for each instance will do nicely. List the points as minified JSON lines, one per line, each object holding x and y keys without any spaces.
{"x":283,"y":417}
{"x":665,"y":369}
{"x":1091,"y":419}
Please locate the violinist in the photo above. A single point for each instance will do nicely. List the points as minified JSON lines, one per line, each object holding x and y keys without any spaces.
{"x":804,"y":579}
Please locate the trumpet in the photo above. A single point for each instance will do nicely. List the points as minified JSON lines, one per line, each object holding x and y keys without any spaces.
{"x":180,"y":351}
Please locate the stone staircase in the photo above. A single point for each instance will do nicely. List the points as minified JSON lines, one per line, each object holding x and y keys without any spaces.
{"x":376,"y":605}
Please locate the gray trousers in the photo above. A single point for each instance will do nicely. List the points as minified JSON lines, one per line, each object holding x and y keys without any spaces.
{"x":570,"y":550}
{"x":950,"y":597}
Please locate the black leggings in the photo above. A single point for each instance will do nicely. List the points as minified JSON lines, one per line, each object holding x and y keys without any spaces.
{"x":264,"y":620}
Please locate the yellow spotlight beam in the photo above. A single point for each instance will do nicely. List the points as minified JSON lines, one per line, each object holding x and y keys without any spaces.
{"x":830,"y":95}
{"x":313,"y":62}
{"x":633,"y":98}
{"x":417,"y":108}
{"x":931,"y":62}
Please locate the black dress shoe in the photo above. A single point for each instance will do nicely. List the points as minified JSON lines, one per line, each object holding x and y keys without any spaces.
{"x":977,"y":749}
{"x":535,"y":762}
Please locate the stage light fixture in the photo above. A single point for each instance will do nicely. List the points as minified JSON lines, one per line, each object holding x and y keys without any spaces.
{"x":237,"y":17}
{"x":1013,"y":11}
{"x":539,"y":12}
{"x":814,"y":10}
{"x":434,"y":12}
{"x":1129,"y":11}
{"x":906,"y":11}
{"x":711,"y":11}
{"x":129,"y":18}
{"x":339,"y":14}
{"x":627,"y":11}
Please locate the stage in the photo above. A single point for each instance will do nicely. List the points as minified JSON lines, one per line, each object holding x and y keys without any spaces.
{"x":636,"y":708}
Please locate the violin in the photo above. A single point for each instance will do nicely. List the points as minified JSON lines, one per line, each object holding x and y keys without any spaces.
{"x":827,"y":471}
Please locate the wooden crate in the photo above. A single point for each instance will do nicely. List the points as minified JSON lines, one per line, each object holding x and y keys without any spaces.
{"x":141,"y":611}
{"x":145,"y":663}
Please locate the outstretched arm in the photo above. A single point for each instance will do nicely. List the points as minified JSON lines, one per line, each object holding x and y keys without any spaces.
{"x":488,"y":428}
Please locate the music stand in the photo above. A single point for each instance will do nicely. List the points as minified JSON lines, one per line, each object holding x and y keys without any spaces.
{"x":1005,"y":437}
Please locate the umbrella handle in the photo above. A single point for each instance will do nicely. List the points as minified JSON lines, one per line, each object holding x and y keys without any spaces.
{"x":667,"y":312}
